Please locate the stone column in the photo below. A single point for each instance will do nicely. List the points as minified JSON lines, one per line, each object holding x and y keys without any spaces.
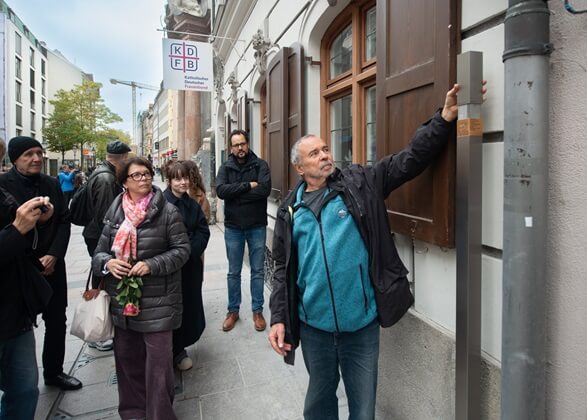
{"x":180,"y":118}
{"x":192,"y":123}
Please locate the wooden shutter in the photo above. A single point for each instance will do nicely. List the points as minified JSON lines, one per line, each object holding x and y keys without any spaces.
{"x":277,"y":100}
{"x":285,"y":116}
{"x":416,"y":65}
{"x":295,"y":108}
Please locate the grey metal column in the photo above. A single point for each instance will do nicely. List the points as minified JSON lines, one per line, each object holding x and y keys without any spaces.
{"x":468,"y":235}
{"x":526,"y":61}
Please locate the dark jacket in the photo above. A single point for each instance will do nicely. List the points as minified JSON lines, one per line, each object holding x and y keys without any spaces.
{"x":192,"y":273}
{"x":51,"y":238}
{"x":162,"y":243}
{"x":24,"y":292}
{"x":103,"y":189}
{"x":244,"y":207}
{"x":363,"y":189}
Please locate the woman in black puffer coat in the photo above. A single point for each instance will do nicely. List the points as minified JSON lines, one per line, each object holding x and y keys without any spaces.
{"x":143,"y":236}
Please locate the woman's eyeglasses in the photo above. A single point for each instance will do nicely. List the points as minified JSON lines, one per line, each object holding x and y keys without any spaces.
{"x":137,"y":176}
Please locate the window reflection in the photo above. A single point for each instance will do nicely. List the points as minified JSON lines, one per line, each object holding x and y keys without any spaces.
{"x":341,"y":131}
{"x":370,"y":34}
{"x":341,"y":59}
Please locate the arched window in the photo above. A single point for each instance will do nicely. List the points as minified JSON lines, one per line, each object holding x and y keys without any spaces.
{"x":348,"y":57}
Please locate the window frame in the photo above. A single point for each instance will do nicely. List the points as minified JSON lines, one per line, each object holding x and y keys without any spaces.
{"x":18,"y":44}
{"x":355,"y":82}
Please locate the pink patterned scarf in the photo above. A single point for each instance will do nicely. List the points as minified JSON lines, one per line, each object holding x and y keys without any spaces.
{"x":125,"y":241}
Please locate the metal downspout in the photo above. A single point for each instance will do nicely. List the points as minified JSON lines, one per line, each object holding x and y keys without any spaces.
{"x":526,"y":62}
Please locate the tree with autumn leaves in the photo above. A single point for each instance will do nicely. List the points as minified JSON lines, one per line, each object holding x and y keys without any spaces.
{"x":80,"y":118}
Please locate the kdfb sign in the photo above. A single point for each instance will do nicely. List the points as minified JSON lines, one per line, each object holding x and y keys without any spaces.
{"x":187,"y":65}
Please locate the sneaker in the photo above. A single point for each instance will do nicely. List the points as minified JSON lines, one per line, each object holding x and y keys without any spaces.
{"x":102,"y":345}
{"x":185,"y":364}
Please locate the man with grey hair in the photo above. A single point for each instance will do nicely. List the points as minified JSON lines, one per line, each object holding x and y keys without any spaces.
{"x":338,"y":276}
{"x":18,"y":362}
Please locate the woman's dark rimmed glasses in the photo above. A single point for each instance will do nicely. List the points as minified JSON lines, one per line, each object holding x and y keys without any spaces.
{"x":137,"y":176}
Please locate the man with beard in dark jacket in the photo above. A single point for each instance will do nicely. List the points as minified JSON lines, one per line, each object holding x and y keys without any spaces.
{"x":19,"y":303}
{"x":338,"y":276}
{"x":244,"y":183}
{"x":103,"y":188}
{"x":49,"y":245}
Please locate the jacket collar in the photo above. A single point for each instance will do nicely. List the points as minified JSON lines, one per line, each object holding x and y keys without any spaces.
{"x":232,"y":161}
{"x":173,"y":199}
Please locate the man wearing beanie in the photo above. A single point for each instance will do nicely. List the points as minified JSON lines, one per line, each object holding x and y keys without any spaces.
{"x":49,"y":245}
{"x":23,"y":293}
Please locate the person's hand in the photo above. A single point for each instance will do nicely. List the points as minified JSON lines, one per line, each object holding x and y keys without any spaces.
{"x":28,"y":214}
{"x":44,"y":218}
{"x":253,"y":184}
{"x":140,"y":269}
{"x":48,"y":262}
{"x":276,"y":338}
{"x":450,"y":111}
{"x":118,"y":268}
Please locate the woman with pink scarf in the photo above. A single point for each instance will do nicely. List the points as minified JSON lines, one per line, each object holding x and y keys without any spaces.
{"x":140,"y":255}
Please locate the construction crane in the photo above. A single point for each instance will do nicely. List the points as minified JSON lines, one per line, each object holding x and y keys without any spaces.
{"x":134,"y":86}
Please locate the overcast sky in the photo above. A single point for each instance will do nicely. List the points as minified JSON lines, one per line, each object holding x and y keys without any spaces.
{"x":108,"y":38}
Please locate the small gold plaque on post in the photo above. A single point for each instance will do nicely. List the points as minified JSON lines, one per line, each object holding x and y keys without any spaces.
{"x":470,"y":127}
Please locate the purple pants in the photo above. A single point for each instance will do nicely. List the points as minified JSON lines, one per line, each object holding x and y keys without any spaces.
{"x":145,"y":374}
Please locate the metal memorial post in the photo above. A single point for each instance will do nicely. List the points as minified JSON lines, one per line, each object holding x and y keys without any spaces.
{"x":468,"y":235}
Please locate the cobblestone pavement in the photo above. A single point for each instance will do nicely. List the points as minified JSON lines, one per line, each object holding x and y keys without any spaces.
{"x":236,"y":375}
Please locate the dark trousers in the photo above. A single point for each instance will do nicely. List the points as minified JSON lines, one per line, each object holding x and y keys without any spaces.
{"x":145,"y":374}
{"x":19,"y":377}
{"x":68,"y":195}
{"x":55,"y":323}
{"x":327,"y":355}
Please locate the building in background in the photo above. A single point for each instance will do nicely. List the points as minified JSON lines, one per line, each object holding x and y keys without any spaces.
{"x":31,"y":74}
{"x":64,"y":75}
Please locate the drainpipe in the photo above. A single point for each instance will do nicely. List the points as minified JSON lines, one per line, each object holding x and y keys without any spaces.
{"x":526,"y":62}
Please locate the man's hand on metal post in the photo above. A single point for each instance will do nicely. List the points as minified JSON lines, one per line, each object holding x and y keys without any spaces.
{"x":450,"y":111}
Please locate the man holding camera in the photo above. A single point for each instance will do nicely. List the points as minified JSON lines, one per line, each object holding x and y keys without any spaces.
{"x":49,"y":242}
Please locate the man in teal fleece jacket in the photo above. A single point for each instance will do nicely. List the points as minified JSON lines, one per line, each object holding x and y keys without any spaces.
{"x":338,"y":276}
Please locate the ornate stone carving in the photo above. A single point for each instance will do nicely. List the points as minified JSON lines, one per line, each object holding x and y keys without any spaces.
{"x":219,"y":77}
{"x":234,"y":85}
{"x":261,"y":45}
{"x":191,"y":7}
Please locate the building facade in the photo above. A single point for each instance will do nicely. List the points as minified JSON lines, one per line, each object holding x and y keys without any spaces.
{"x":363,"y":75}
{"x":31,"y":75}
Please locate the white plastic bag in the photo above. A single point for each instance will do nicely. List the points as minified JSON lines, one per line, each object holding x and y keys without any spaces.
{"x":92,"y":320}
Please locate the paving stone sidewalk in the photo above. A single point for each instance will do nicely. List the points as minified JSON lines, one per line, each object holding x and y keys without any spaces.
{"x":236,"y":375}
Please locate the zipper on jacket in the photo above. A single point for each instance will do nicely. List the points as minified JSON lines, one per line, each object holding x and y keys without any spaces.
{"x":328,"y":274}
{"x":363,"y":288}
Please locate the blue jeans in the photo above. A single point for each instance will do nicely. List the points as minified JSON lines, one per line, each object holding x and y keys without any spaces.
{"x":327,"y":355}
{"x":19,"y":377}
{"x":235,"y":250}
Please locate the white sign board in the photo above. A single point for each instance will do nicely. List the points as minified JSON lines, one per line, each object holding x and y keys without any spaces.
{"x":187,"y":65}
